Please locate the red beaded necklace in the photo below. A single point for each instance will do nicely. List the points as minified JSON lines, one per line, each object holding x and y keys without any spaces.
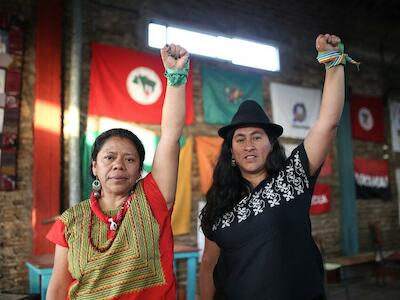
{"x":113,"y":221}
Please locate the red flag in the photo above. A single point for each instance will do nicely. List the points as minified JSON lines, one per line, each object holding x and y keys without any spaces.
{"x":326,"y":169}
{"x":129,"y":85}
{"x":367,"y":118}
{"x":320,"y":202}
{"x":372,"y":178}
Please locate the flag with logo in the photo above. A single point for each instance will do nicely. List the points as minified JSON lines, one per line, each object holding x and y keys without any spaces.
{"x":394,"y":108}
{"x":367,"y":118}
{"x":224,"y":91}
{"x":295,"y":108}
{"x":129,"y":85}
{"x":372,"y":178}
{"x":208,"y":149}
{"x":320,"y":201}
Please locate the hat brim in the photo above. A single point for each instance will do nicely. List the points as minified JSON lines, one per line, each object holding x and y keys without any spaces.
{"x":274,"y":129}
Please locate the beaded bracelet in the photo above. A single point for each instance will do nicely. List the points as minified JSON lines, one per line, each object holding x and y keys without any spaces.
{"x":335,"y":57}
{"x":177,"y":77}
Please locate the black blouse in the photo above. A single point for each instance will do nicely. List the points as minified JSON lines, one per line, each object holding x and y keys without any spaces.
{"x":267,"y":250}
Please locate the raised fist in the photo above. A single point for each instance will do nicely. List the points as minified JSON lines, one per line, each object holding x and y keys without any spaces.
{"x":174,"y":56}
{"x":327,"y":42}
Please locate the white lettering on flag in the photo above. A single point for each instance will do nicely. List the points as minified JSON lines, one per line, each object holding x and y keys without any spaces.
{"x":372,"y":181}
{"x":319,"y":199}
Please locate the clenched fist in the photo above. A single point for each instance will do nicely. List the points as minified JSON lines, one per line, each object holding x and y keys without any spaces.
{"x":174,"y":56}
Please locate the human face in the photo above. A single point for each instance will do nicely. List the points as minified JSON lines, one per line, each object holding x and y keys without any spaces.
{"x":117,"y":166}
{"x":250,"y":148}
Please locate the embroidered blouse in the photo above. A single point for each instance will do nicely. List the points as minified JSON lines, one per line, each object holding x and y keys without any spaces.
{"x":139,"y":263}
{"x":267,"y":250}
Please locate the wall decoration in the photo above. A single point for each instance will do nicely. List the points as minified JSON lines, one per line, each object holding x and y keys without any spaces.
{"x":11,"y":54}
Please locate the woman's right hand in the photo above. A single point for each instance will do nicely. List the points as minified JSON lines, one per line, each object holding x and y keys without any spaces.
{"x":327,"y":42}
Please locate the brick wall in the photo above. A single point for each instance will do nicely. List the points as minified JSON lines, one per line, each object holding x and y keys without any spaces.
{"x":15,"y":206}
{"x":289,"y":25}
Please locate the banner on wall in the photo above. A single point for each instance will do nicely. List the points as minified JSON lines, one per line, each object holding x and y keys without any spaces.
{"x":367,"y":118}
{"x":321,"y":199}
{"x":295,"y":108}
{"x":183,"y":201}
{"x":224,"y":91}
{"x":207,"y":149}
{"x":128,"y":85}
{"x":11,"y":56}
{"x":182,"y":207}
{"x":372,"y":178}
{"x":394,"y":108}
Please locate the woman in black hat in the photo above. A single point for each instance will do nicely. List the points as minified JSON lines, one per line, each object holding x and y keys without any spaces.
{"x":256,"y":219}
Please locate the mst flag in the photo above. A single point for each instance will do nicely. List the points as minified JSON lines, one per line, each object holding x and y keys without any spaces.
{"x":129,"y":85}
{"x":320,"y":201}
{"x":182,"y":207}
{"x":372,"y":178}
{"x":295,"y":108}
{"x":208,"y":149}
{"x":223,"y":92}
{"x":394,"y":108}
{"x":367,"y":118}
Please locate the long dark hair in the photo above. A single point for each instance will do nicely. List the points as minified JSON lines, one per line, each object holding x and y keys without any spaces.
{"x":228,"y":185}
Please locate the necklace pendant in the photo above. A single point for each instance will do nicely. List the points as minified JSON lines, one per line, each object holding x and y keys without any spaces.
{"x":113,"y":225}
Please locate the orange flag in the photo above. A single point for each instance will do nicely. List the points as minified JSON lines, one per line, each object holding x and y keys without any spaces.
{"x":208,"y":149}
{"x":183,"y":200}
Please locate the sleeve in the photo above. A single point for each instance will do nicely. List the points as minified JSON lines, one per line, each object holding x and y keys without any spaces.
{"x":56,"y":234}
{"x":301,"y":163}
{"x":210,"y":236}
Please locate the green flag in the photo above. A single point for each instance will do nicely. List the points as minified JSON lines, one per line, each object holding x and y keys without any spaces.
{"x":223,"y":91}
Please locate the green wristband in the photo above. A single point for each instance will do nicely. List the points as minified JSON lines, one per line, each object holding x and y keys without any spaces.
{"x":335,"y":57}
{"x":177,"y":77}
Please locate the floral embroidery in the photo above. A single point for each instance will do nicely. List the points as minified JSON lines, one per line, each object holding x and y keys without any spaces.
{"x":289,"y":183}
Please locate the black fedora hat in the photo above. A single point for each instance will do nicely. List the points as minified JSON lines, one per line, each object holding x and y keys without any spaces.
{"x":250,"y":113}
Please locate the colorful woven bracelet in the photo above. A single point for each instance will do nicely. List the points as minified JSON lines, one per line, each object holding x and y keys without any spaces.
{"x":335,"y":57}
{"x":177,"y":77}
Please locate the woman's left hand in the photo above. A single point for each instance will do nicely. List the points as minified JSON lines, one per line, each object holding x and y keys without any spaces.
{"x":174,"y":56}
{"x":327,"y":42}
